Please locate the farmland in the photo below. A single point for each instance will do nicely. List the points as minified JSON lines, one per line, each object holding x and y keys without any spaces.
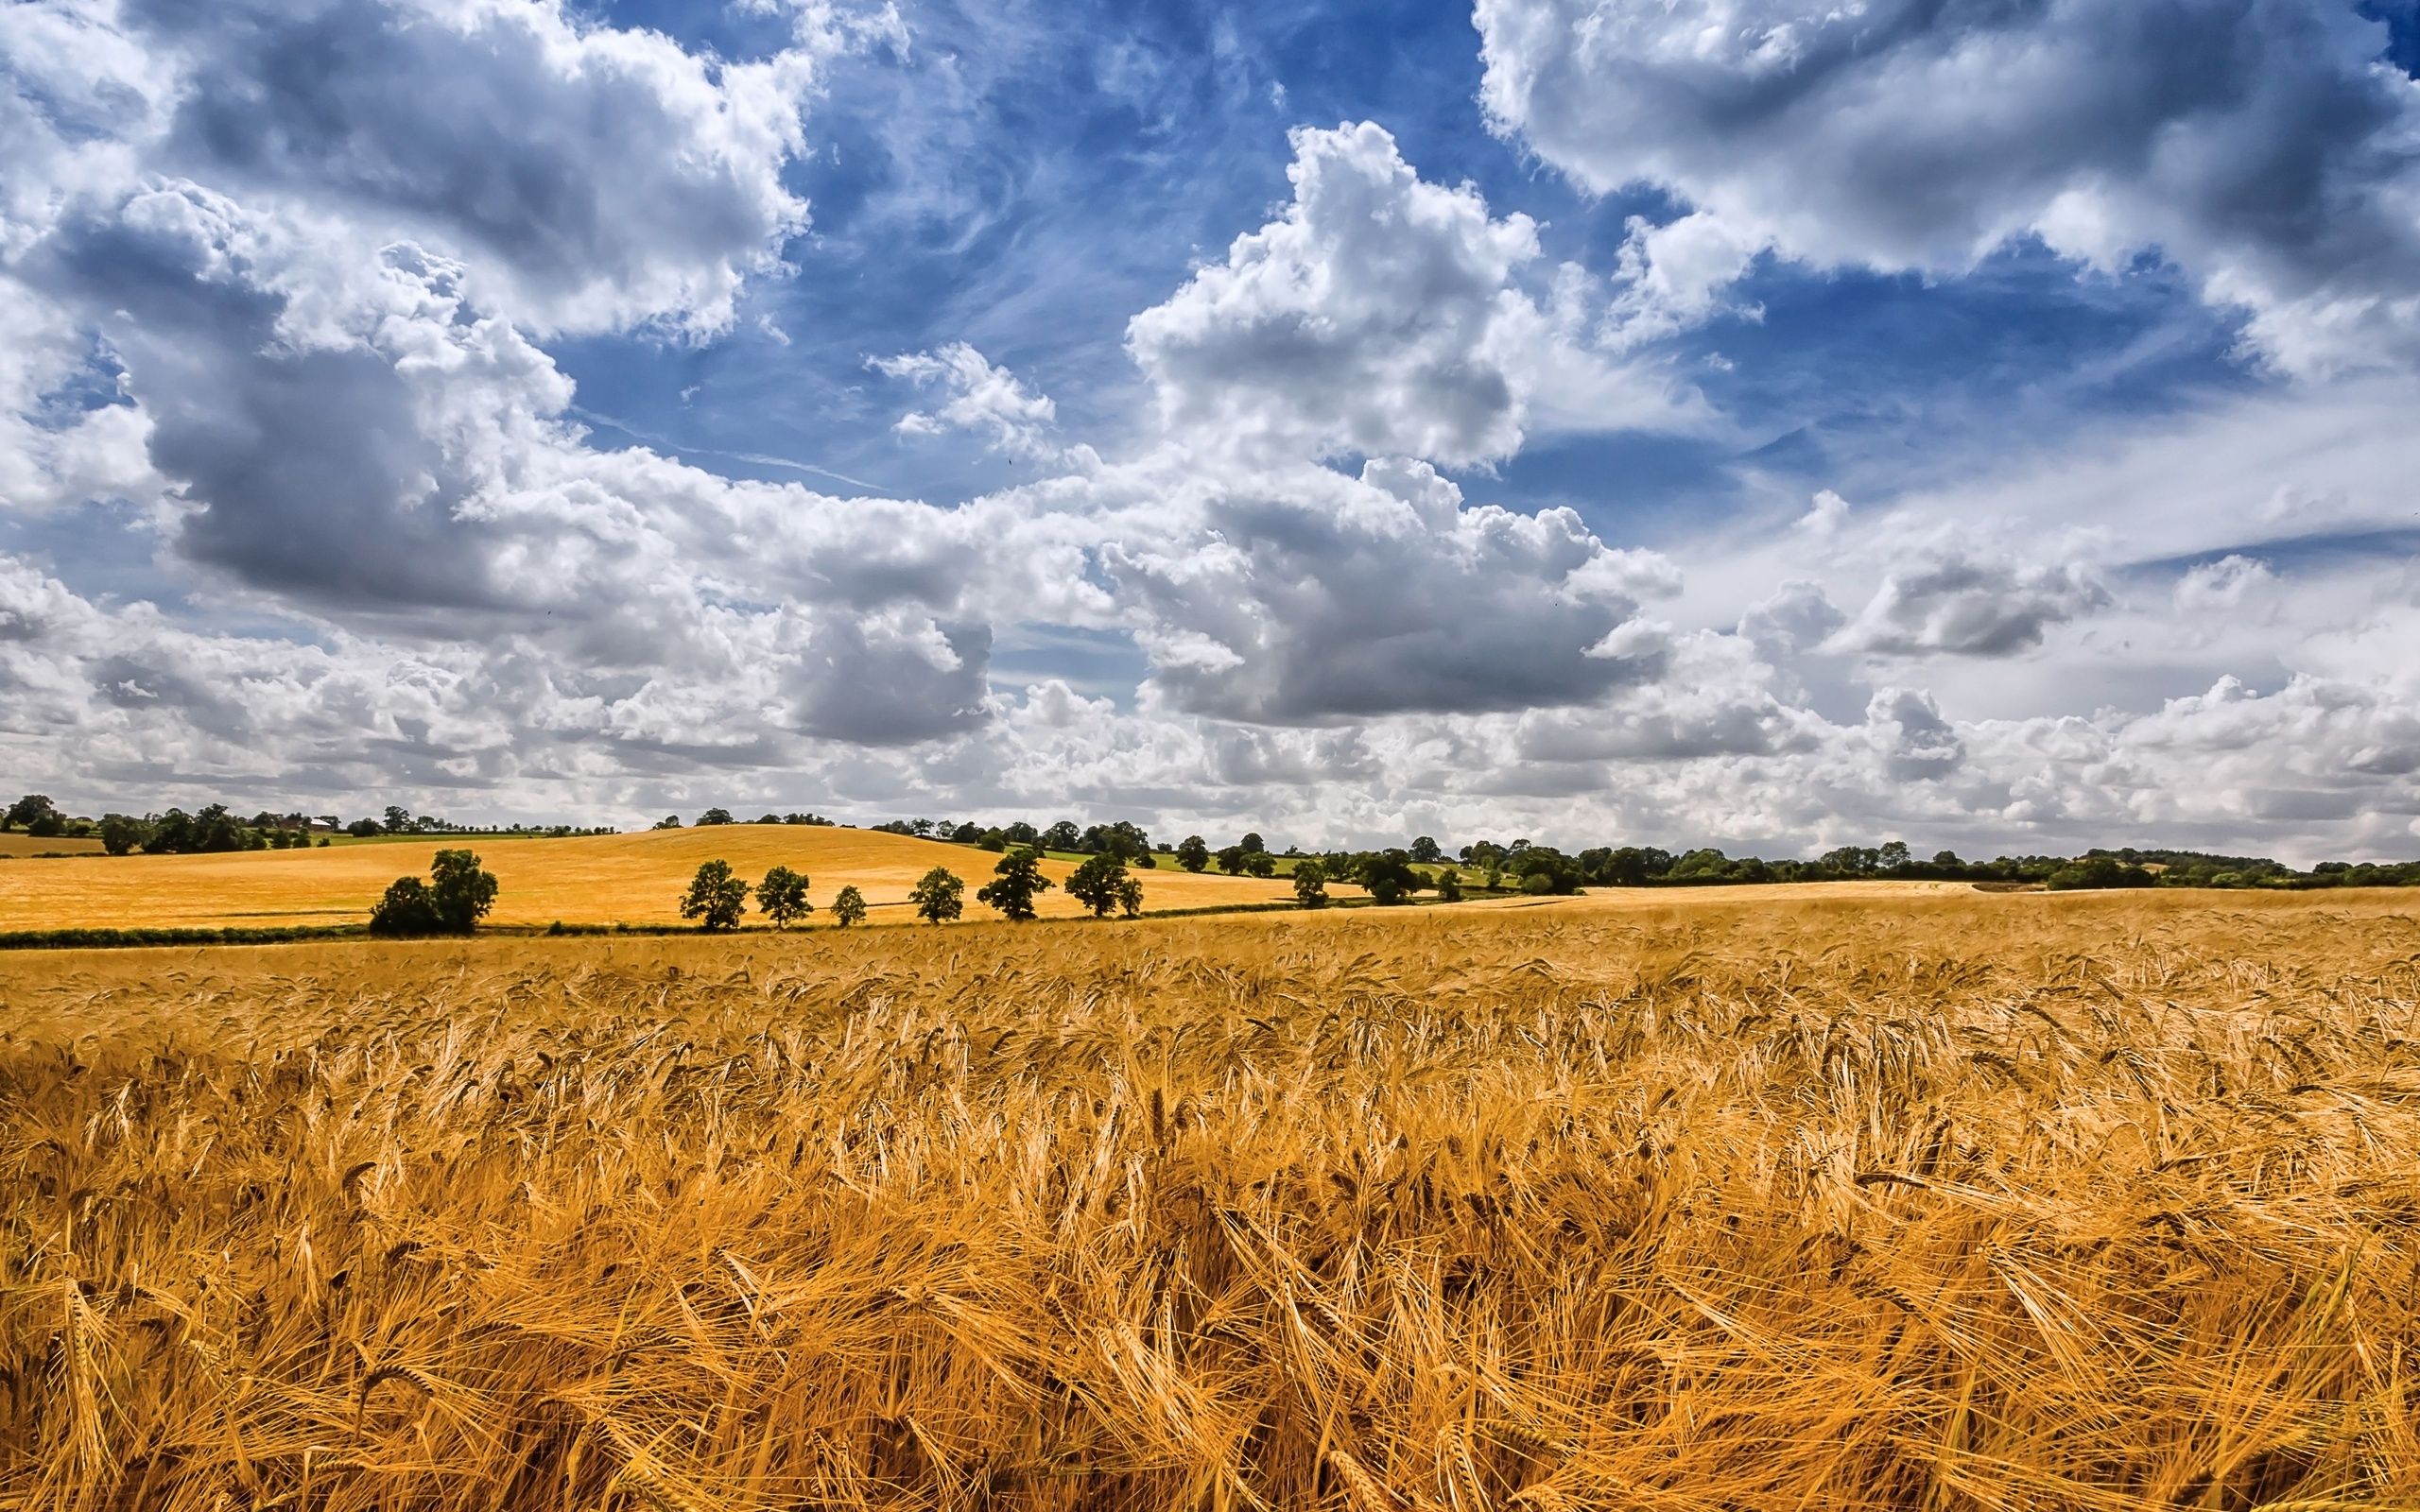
{"x":1882,"y":1199}
{"x":634,"y":879}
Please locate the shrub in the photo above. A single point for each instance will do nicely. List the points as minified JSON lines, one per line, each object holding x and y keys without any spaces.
{"x":406,"y":911}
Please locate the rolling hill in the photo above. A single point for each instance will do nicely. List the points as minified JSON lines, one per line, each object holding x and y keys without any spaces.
{"x":634,"y":879}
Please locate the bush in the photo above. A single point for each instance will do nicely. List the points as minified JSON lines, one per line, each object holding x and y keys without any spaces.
{"x":848,"y":907}
{"x":456,"y":896}
{"x":363,"y":828}
{"x":407,"y":911}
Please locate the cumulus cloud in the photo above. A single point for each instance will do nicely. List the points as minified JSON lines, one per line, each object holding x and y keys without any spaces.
{"x":1380,"y":314}
{"x":1317,"y":597}
{"x":1957,"y":605}
{"x":2263,"y":148}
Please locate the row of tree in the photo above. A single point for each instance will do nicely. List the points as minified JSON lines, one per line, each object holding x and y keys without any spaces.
{"x":718,"y":898}
{"x":715,"y":816}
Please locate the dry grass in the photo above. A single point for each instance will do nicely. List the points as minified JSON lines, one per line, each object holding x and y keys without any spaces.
{"x":1950,"y":1202}
{"x":634,"y":879}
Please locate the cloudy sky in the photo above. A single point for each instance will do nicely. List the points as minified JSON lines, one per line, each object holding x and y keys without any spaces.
{"x":1761,"y":422}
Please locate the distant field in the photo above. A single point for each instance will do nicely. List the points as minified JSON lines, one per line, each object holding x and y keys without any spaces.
{"x":636,"y":879}
{"x":18,"y":843}
{"x":1786,"y":1198}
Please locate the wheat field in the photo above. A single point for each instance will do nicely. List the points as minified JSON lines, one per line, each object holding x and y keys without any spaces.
{"x":598,"y":879}
{"x":1900,"y":1201}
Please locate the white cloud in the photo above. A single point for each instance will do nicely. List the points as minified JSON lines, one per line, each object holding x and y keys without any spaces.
{"x":2264,"y":149}
{"x":1380,"y":314}
{"x":981,"y":398}
{"x":1956,"y":605}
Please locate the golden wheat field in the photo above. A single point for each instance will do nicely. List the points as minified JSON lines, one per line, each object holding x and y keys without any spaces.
{"x":603,"y":879}
{"x":1945,"y":1201}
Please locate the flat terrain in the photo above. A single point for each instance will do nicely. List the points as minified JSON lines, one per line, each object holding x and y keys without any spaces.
{"x":18,"y":843}
{"x":636,"y":879}
{"x":1677,"y":1201}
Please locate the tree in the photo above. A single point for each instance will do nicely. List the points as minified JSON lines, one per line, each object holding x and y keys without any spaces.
{"x":1427,"y":850}
{"x":1096,"y":883}
{"x":363,"y":828}
{"x":1260,"y":864}
{"x":399,"y":819}
{"x":407,"y":910}
{"x":1063,"y":835}
{"x":715,"y":816}
{"x":715,"y":898}
{"x":1252,"y":841}
{"x":1311,"y":883}
{"x":1388,"y":875}
{"x":781,"y":897}
{"x":848,"y":907}
{"x":1192,"y":854}
{"x":1893,"y":855}
{"x":939,"y":896}
{"x":1231,"y":860}
{"x":670,"y":821}
{"x":27,"y":810}
{"x":121,"y":833}
{"x":1130,"y":897}
{"x":1015,"y":883}
{"x":1449,"y":886}
{"x":459,"y":891}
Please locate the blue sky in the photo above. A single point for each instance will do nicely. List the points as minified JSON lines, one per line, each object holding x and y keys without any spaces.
{"x":1759,"y":421}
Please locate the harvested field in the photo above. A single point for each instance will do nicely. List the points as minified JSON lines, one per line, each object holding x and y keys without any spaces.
{"x":605,"y":879}
{"x":17,"y":843}
{"x":1693,"y":1202}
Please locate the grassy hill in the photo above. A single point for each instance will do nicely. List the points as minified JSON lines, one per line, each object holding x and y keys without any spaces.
{"x":634,"y":879}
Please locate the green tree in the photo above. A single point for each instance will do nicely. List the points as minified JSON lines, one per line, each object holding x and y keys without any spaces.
{"x":1096,"y":883}
{"x":459,"y":891}
{"x":848,"y":907}
{"x":1449,"y":886}
{"x":1311,"y":883}
{"x":26,"y":811}
{"x":1015,"y":883}
{"x":399,"y":819}
{"x":781,"y":897}
{"x":1389,"y":877}
{"x":1192,"y":854}
{"x":715,"y":816}
{"x":122,"y":833}
{"x":715,"y":898}
{"x":939,"y":896}
{"x":362,"y":829}
{"x":1130,"y":897}
{"x":1427,"y":850}
{"x":407,"y":910}
{"x":670,"y":821}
